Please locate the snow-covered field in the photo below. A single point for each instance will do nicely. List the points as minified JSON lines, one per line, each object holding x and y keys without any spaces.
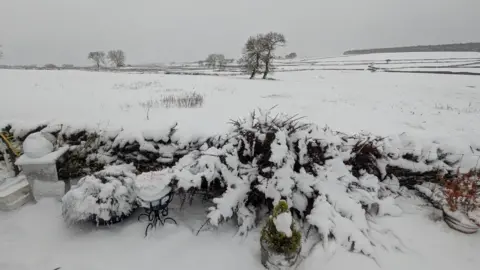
{"x":429,"y":108}
{"x":426,"y":61}
{"x":426,"y":106}
{"x":347,"y":101}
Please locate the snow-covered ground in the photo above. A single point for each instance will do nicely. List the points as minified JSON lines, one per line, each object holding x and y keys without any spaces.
{"x":452,"y":61}
{"x":427,"y":107}
{"x":36,"y":238}
{"x":424,"y":105}
{"x":443,"y":69}
{"x":404,"y":56}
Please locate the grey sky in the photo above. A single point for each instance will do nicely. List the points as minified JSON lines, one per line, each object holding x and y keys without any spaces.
{"x":64,"y":31}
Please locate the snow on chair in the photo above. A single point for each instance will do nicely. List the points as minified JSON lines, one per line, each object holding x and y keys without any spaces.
{"x":38,"y":163}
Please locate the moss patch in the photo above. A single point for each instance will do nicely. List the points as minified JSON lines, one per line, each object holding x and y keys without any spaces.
{"x":278,"y":241}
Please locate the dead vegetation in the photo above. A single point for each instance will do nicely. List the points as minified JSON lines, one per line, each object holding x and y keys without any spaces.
{"x":185,"y":100}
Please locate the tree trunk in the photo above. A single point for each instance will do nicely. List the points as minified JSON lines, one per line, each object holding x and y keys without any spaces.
{"x":257,"y":63}
{"x":253,"y":73}
{"x":267,"y":66}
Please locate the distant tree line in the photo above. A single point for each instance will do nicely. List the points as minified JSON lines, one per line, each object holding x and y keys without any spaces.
{"x":456,"y":47}
{"x":115,"y":57}
{"x":50,"y":66}
{"x":216,"y":61}
{"x":257,"y":56}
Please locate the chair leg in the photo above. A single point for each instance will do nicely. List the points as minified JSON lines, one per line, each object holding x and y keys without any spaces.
{"x":148,"y":226}
{"x":169,"y":218}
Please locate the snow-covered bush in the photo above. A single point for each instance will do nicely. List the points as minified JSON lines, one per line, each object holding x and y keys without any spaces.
{"x":365,"y":154}
{"x":266,"y":159}
{"x":280,"y":234}
{"x":461,"y":192}
{"x":105,"y":197}
{"x":77,"y":162}
{"x":432,"y":193}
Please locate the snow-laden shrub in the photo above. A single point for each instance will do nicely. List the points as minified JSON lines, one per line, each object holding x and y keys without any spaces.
{"x":77,"y":162}
{"x":105,"y":197}
{"x":365,"y":154}
{"x":266,"y":159}
{"x":280,"y":234}
{"x":457,"y":192}
{"x":461,"y":192}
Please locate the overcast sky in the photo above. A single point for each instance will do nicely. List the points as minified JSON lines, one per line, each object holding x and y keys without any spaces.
{"x":64,"y":31}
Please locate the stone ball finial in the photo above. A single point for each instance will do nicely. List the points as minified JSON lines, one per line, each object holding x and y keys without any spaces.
{"x":36,"y":145}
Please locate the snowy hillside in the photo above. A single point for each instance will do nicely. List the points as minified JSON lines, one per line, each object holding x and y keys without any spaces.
{"x":188,"y":131}
{"x":421,"y":61}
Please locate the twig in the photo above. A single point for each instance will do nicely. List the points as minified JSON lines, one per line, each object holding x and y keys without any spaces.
{"x":202,"y":226}
{"x":274,"y":106}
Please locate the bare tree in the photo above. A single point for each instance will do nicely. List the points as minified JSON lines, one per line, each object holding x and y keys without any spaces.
{"x":292,"y":55}
{"x":1,"y":53}
{"x":97,"y":57}
{"x":221,"y":61}
{"x":210,"y":61}
{"x":269,"y":43}
{"x":216,"y":60}
{"x":252,"y":55}
{"x":117,"y":58}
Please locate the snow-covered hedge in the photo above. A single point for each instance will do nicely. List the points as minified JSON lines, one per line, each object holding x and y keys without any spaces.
{"x":92,"y":149}
{"x":105,"y":197}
